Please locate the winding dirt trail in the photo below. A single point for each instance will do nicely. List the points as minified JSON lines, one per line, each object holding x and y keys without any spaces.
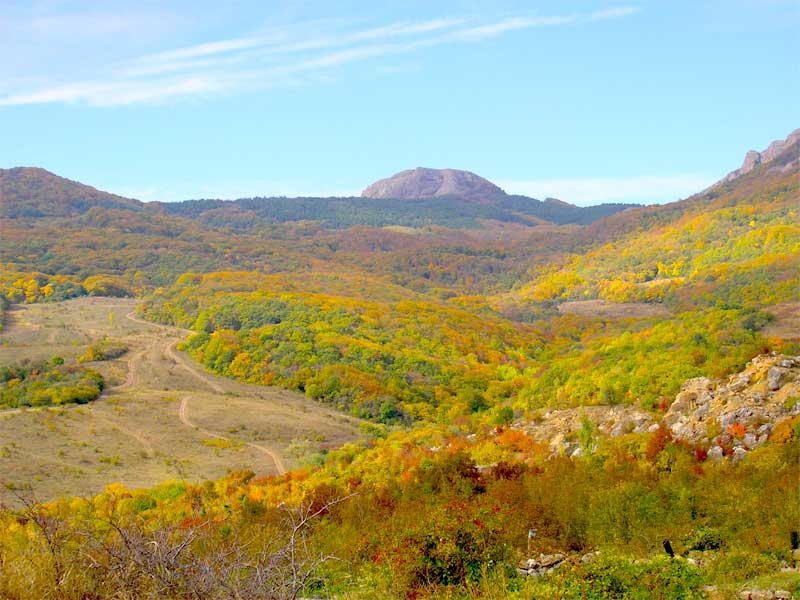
{"x":130,"y":378}
{"x":169,"y":350}
{"x":184,"y":417}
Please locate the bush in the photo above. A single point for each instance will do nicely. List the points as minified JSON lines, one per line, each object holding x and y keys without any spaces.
{"x":622,"y":578}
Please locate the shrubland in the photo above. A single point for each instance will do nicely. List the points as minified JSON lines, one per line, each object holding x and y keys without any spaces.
{"x":413,"y":515}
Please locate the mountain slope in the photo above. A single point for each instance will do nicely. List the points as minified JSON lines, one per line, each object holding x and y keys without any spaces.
{"x":35,"y":192}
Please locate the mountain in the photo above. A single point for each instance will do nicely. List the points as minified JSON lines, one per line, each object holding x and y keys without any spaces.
{"x":446,"y":198}
{"x":35,"y":192}
{"x":783,"y":154}
{"x":432,"y":183}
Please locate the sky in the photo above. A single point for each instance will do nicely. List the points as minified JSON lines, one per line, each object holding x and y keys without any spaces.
{"x":587,"y":101}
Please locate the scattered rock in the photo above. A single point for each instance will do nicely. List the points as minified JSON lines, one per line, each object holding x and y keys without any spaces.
{"x":740,"y":411}
{"x":548,"y":560}
{"x":544,"y":565}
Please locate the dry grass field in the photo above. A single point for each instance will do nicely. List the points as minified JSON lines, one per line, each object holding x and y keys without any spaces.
{"x":611,"y":310}
{"x":161,"y":417}
{"x":787,"y":321}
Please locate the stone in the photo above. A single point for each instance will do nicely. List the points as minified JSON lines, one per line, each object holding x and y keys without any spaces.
{"x":682,"y":401}
{"x":715,"y":453}
{"x":765,"y":430}
{"x":739,"y":454}
{"x":750,"y":440}
{"x":739,"y":383}
{"x":745,"y":595}
{"x":775,"y":377}
{"x":548,"y":560}
{"x":783,"y":594}
{"x":652,"y":428}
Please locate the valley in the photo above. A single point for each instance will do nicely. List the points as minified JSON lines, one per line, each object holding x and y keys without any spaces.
{"x":399,"y":300}
{"x":160,"y":417}
{"x":385,"y":395}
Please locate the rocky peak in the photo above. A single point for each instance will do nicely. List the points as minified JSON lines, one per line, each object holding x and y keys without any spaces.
{"x":785,"y":154}
{"x":430,"y":183}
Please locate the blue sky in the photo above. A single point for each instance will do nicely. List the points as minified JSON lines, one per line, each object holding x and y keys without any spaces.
{"x":588,"y":101}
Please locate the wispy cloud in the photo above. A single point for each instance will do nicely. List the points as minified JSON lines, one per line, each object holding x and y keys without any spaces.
{"x":263,"y":61}
{"x":643,"y":189}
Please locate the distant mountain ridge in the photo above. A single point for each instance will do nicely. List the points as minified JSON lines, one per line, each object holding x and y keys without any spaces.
{"x":28,"y":192}
{"x":423,"y":182}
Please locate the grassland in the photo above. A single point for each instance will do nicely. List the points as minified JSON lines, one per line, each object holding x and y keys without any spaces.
{"x":160,"y":417}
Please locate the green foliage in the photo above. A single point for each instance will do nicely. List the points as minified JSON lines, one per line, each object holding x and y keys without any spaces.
{"x":621,"y":578}
{"x":386,"y":360}
{"x":47,"y":384}
{"x":103,"y":351}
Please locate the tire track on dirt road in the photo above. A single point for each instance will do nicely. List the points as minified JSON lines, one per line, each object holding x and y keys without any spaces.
{"x":169,"y":351}
{"x":184,"y":417}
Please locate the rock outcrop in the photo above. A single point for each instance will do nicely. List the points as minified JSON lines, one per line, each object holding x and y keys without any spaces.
{"x":785,"y":154}
{"x":739,"y":412}
{"x":432,"y":183}
{"x":730,"y":417}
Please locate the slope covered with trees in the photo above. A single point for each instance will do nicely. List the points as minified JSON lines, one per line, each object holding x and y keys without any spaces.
{"x":453,"y":340}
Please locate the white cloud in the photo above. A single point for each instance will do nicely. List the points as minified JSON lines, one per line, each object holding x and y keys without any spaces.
{"x":245,"y":63}
{"x":642,"y":189}
{"x":208,"y":49}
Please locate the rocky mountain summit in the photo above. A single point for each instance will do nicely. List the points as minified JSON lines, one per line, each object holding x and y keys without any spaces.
{"x":431,"y":183}
{"x":784,"y":153}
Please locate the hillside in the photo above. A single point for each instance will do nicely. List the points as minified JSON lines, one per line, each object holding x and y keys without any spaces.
{"x":34,"y":192}
{"x":607,"y":386}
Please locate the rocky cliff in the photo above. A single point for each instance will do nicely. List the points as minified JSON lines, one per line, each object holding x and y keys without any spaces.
{"x":784,"y":153}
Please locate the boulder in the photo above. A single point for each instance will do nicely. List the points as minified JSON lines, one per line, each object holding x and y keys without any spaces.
{"x":775,"y":377}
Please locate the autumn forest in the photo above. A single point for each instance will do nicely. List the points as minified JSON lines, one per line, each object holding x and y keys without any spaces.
{"x":530,"y":397}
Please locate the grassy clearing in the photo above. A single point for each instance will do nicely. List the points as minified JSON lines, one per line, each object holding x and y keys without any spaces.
{"x":132,"y":434}
{"x":611,"y":310}
{"x":787,"y":321}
